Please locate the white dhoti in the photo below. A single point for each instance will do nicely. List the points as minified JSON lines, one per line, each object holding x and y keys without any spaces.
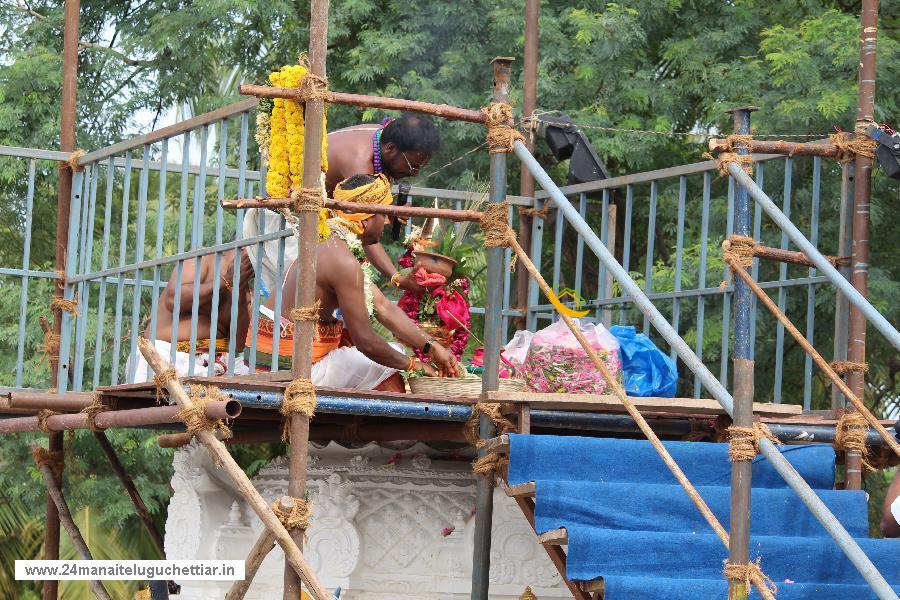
{"x":347,"y":367}
{"x":137,"y":370}
{"x":265,"y":263}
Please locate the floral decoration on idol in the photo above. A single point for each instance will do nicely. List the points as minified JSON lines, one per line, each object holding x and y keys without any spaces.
{"x":440,"y":264}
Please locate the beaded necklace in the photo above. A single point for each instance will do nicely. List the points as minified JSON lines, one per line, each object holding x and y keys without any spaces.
{"x":376,"y":152}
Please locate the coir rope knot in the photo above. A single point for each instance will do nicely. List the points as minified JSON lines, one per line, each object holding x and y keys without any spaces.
{"x":307,"y":200}
{"x":161,"y":379}
{"x":494,"y":224}
{"x":295,"y":518}
{"x":744,"y":441}
{"x":501,"y":134}
{"x":93,"y":409}
{"x":312,"y":87}
{"x":194,"y":416}
{"x":306,"y":313}
{"x":55,"y":460}
{"x":850,"y":435}
{"x":748,"y":572}
{"x":300,"y":398}
{"x":845,"y":367}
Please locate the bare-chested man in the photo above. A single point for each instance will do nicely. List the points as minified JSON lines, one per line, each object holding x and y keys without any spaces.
{"x":399,"y":148}
{"x":170,"y":326}
{"x":370,"y":362}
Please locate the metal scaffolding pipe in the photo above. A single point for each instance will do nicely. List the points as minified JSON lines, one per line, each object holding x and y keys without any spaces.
{"x":69,"y":402}
{"x":446,"y":214}
{"x":833,"y":275}
{"x":220,"y":409}
{"x":837,"y":531}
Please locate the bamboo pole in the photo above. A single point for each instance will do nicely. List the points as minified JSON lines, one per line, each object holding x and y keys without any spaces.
{"x":154,"y":415}
{"x":305,"y":290}
{"x":825,"y":150}
{"x":447,"y":214}
{"x":245,"y":488}
{"x":65,"y":517}
{"x":446,"y":111}
{"x":862,"y":191}
{"x":132,"y":491}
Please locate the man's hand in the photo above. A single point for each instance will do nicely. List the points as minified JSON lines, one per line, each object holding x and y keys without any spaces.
{"x":426,"y":368}
{"x":445,"y":361}
{"x":408,"y":282}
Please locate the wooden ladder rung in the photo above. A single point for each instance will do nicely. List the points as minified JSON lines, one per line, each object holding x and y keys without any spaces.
{"x":522,"y":490}
{"x":554,"y":537}
{"x":592,"y":585}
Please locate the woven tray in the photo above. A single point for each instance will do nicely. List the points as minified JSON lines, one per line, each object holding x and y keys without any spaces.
{"x":466,"y":387}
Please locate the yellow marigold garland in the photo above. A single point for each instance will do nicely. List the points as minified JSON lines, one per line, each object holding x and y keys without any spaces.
{"x":286,"y":137}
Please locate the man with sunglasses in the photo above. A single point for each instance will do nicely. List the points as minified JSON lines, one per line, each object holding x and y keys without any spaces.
{"x":398,"y":148}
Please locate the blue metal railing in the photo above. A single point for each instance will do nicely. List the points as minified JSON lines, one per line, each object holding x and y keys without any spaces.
{"x":144,"y":208}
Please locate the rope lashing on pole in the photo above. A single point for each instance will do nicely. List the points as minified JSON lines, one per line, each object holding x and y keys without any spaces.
{"x":55,"y":460}
{"x":42,"y":416}
{"x":307,"y":200}
{"x":501,"y":130}
{"x":160,"y":380}
{"x":71,"y":162}
{"x":297,"y":517}
{"x":507,"y":237}
{"x":93,"y":409}
{"x":743,"y":442}
{"x":490,"y":463}
{"x":312,"y":87}
{"x":63,"y":305}
{"x":836,"y":379}
{"x":850,"y":434}
{"x":50,"y":346}
{"x":738,"y":249}
{"x":194,"y":416}
{"x":730,"y":155}
{"x":845,"y":367}
{"x":749,"y":572}
{"x":299,"y":397}
{"x":851,"y":144}
{"x":306,"y":313}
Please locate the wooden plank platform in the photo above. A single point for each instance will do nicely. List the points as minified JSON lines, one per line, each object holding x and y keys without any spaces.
{"x":523,"y":490}
{"x":610,"y":403}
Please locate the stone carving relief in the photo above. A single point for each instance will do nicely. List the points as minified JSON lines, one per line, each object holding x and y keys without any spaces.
{"x":388,"y":522}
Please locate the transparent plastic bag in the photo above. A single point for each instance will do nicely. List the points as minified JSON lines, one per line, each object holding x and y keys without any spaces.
{"x":556,"y":362}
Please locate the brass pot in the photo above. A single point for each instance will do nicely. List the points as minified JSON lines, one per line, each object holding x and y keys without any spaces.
{"x":440,"y":333}
{"x":435,"y":263}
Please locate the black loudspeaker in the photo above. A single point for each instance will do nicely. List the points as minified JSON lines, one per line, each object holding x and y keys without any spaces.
{"x":887,"y":150}
{"x":567,"y":142}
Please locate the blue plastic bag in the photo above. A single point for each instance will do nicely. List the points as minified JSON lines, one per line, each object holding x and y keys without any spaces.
{"x":648,"y":372}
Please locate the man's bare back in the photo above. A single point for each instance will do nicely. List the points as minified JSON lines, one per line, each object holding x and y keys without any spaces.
{"x":206,"y":282}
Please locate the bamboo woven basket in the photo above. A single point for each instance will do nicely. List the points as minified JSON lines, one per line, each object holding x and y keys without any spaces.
{"x":466,"y":387}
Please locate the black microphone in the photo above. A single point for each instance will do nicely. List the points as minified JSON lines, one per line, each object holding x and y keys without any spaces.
{"x":402,"y":200}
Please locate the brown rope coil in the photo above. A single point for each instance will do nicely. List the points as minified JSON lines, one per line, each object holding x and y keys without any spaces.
{"x":312,"y":87}
{"x":61,"y":304}
{"x":743,"y":442}
{"x":296,"y":518}
{"x":71,"y":162}
{"x":161,"y":379}
{"x":501,"y":134}
{"x":93,"y":409}
{"x":306,"y":313}
{"x":307,"y":200}
{"x":492,"y":411}
{"x":489,"y":465}
{"x":299,"y":398}
{"x":540,"y":213}
{"x":50,"y":347}
{"x":748,"y":572}
{"x":42,"y":416}
{"x":850,"y":433}
{"x":56,"y":460}
{"x":194,"y":417}
{"x":739,"y":249}
{"x":733,"y":144}
{"x":850,"y":144}
{"x":494,"y":224}
{"x":845,"y":367}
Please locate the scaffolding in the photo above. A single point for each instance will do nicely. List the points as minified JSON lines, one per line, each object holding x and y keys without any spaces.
{"x":111,"y":403}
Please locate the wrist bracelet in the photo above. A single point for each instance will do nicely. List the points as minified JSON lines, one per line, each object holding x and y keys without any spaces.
{"x":395,"y":279}
{"x":412,"y":363}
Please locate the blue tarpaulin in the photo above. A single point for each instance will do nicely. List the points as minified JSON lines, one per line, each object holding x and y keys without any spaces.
{"x":629,"y":522}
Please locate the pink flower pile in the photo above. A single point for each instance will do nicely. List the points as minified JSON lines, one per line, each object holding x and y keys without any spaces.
{"x":559,"y":369}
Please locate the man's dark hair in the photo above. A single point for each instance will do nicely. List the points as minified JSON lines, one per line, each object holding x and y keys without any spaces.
{"x":351,"y":183}
{"x":412,"y":132}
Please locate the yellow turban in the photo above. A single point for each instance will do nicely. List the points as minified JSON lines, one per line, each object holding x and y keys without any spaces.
{"x":377,"y":192}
